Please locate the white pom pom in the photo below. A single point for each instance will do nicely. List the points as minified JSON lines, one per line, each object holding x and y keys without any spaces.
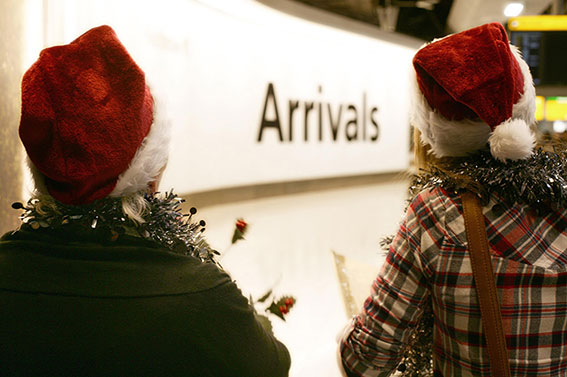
{"x":512,"y":140}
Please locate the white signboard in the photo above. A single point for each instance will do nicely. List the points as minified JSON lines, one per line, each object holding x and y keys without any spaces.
{"x":255,"y":95}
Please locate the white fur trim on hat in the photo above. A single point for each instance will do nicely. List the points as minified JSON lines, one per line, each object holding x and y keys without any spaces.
{"x":446,"y":137}
{"x":149,"y":159}
{"x":460,"y":137}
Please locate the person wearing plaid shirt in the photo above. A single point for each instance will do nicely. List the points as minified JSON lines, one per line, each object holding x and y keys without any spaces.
{"x":524,"y":194}
{"x":428,"y":259}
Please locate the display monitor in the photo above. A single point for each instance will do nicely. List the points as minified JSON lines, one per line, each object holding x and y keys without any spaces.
{"x":546,"y":54}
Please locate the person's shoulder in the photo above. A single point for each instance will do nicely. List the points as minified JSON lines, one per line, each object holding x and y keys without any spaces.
{"x":435,"y":208}
{"x":127,"y":266}
{"x":11,"y":235}
{"x":433,"y":198}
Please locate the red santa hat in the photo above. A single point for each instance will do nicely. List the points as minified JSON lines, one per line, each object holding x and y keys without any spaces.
{"x":87,"y":121}
{"x":474,"y":88}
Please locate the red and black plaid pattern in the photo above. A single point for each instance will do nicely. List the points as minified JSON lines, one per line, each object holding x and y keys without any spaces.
{"x":429,"y":259}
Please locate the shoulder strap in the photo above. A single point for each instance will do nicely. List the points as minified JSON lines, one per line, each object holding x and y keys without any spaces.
{"x":485,"y":285}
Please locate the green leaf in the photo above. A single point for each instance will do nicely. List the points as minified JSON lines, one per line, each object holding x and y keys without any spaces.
{"x":238,"y":235}
{"x":265,"y":297}
{"x":275,"y":309}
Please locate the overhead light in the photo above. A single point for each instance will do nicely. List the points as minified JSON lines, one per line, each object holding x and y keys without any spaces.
{"x":513,"y":9}
{"x":425,"y":5}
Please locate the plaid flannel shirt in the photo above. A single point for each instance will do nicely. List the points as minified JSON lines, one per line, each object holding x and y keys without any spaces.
{"x":428,"y":259}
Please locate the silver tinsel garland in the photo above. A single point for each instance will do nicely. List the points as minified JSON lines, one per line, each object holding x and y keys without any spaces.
{"x":105,"y":221}
{"x":536,"y":181}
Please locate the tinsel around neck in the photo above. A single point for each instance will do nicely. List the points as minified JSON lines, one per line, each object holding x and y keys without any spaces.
{"x":538,"y":180}
{"x":105,"y":221}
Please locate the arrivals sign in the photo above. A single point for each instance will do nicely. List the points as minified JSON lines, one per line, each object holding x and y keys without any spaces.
{"x":326,"y":114}
{"x":255,"y":95}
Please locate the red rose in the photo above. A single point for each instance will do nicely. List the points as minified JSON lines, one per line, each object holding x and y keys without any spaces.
{"x":239,"y":230}
{"x":241,"y":225}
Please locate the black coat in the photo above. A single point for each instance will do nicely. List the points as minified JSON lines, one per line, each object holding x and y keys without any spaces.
{"x":129,"y":308}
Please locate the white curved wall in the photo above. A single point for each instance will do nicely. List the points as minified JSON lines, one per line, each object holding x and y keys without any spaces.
{"x":211,"y":63}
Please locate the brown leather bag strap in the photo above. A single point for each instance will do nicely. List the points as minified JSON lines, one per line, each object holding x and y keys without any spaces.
{"x":485,"y":285}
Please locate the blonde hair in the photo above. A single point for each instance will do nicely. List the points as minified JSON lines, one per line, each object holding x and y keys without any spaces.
{"x":422,"y":153}
{"x":134,"y":205}
{"x":425,"y":160}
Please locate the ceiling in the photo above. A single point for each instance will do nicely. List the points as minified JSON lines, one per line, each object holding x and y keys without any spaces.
{"x":469,"y":13}
{"x":428,"y":19}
